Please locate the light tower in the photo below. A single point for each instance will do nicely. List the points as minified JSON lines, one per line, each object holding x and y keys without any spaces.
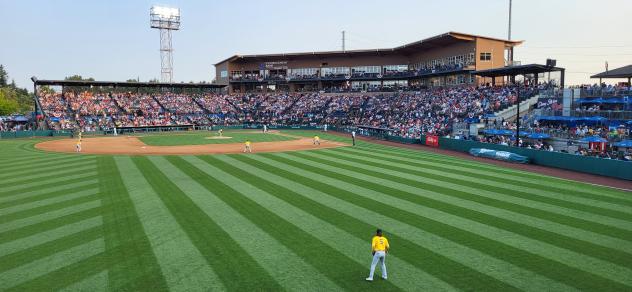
{"x":165,"y":19}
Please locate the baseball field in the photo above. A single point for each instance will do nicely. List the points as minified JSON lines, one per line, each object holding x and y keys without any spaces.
{"x":300,"y":220}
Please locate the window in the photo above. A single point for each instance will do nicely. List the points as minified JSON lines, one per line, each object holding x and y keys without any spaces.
{"x":486,"y":57}
{"x":223,"y":74}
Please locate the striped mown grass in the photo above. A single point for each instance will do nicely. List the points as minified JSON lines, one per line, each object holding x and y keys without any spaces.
{"x":302,"y":221}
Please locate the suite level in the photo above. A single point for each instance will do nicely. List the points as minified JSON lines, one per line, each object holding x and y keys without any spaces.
{"x":443,"y":60}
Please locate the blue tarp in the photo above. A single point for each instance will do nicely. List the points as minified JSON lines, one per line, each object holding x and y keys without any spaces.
{"x":538,"y":136}
{"x":571,"y":119}
{"x":624,"y":143}
{"x":593,"y":139}
{"x":499,"y":155}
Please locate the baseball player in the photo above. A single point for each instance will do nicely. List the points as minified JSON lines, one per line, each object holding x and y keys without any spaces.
{"x":265,"y":129}
{"x":247,"y":147}
{"x":316,"y":140}
{"x":353,"y":137}
{"x":220,"y":132}
{"x":78,"y":146}
{"x":379,"y":248}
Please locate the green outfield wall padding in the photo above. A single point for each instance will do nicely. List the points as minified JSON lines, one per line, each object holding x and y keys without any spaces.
{"x":606,"y":167}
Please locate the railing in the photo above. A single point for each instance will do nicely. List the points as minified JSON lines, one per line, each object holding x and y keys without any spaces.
{"x":604,"y":92}
{"x":611,"y":115}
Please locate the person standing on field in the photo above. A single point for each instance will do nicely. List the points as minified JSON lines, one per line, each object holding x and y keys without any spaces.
{"x":247,"y":147}
{"x":316,"y":140}
{"x":353,"y":137}
{"x":78,"y":146}
{"x":379,"y":248}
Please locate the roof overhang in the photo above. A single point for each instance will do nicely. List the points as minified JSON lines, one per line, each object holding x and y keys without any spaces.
{"x":517,"y":70}
{"x":123,"y":84}
{"x":441,"y":40}
{"x":623,"y":72}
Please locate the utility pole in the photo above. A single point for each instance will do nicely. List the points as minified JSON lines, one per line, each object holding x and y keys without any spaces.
{"x":343,"y":41}
{"x":510,"y":52}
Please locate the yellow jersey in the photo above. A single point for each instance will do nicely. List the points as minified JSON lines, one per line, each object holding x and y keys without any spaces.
{"x":379,"y":243}
{"x":316,"y":138}
{"x":247,"y":143}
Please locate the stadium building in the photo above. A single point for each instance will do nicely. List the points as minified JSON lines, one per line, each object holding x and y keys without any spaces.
{"x":443,"y":60}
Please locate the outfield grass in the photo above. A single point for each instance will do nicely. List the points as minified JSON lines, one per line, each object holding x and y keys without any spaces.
{"x":302,"y":221}
{"x":203,"y":137}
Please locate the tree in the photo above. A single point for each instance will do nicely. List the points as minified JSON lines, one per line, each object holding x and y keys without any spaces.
{"x":4,"y":76}
{"x":8,"y":102}
{"x":77,"y":77}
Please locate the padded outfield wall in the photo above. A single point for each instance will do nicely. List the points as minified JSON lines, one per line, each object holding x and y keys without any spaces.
{"x":606,"y":167}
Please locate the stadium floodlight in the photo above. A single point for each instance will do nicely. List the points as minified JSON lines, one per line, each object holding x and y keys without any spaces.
{"x":165,"y":19}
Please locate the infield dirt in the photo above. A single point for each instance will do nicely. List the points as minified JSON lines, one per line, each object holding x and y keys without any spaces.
{"x":131,"y":145}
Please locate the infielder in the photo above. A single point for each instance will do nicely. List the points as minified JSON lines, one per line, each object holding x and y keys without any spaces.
{"x":78,"y":146}
{"x":316,"y":140}
{"x":247,"y":147}
{"x":220,"y":132}
{"x":379,"y":248}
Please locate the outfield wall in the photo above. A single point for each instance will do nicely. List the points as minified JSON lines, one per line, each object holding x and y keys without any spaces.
{"x":606,"y":167}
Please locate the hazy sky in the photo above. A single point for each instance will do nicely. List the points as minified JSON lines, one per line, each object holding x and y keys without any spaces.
{"x":111,"y":40}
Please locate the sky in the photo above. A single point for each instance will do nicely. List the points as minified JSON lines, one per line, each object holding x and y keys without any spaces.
{"x":112,"y":40}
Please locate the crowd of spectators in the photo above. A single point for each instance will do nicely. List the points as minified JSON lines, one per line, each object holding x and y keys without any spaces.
{"x":406,"y":113}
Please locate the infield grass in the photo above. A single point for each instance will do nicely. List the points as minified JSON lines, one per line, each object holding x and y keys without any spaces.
{"x":212,"y":137}
{"x":301,"y":221}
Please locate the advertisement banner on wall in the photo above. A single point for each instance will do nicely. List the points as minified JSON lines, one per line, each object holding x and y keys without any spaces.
{"x":432,"y":140}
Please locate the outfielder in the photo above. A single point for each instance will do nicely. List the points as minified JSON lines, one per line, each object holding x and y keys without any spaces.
{"x":379,"y":248}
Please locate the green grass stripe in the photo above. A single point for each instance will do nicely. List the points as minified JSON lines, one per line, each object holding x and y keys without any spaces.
{"x":44,"y":176}
{"x":287,"y":268}
{"x":473,"y":185}
{"x":401,"y":232}
{"x":19,"y":158}
{"x":599,"y":254}
{"x":619,"y":219}
{"x":280,"y":224}
{"x":25,"y":256}
{"x":507,"y":180}
{"x":230,"y":262}
{"x":41,"y":193}
{"x":49,"y":264}
{"x":182,"y":264}
{"x":45,"y":202}
{"x":480,"y":195}
{"x":16,"y":234}
{"x":47,"y":208}
{"x":39,"y":184}
{"x":45,"y":162}
{"x":94,"y":283}
{"x":494,"y":169}
{"x":6,"y":176}
{"x":133,"y":265}
{"x":513,"y":248}
{"x":48,"y":197}
{"x":66,"y":275}
{"x":406,"y":188}
{"x":430,"y":270}
{"x":43,"y":217}
{"x":10,"y":247}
